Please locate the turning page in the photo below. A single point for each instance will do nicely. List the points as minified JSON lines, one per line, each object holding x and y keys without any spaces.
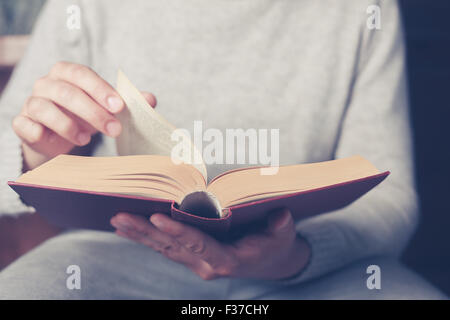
{"x":145,"y":131}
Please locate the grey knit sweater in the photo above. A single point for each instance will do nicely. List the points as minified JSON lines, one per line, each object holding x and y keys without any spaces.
{"x":310,"y":68}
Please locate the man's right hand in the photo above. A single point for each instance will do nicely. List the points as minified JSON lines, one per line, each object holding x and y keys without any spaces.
{"x":65,"y":109}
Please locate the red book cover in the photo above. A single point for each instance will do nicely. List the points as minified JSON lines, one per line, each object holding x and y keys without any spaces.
{"x":70,"y":208}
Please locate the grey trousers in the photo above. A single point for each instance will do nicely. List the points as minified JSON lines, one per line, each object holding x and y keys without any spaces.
{"x":115,"y":268}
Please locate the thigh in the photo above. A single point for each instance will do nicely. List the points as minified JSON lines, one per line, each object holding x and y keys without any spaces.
{"x":110,"y":268}
{"x":115,"y":268}
{"x":396,"y":282}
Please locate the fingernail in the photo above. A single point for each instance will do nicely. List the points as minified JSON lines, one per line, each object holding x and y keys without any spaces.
{"x":157,"y":222}
{"x":113,"y":128}
{"x":83,"y":138}
{"x":114,"y":103}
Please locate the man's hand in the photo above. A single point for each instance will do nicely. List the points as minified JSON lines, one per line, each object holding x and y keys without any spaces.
{"x":274,"y":253}
{"x":66,"y":107}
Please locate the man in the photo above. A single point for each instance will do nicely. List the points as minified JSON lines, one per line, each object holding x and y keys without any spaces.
{"x":313,"y":69}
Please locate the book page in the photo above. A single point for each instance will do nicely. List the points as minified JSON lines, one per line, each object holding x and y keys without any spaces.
{"x":247,"y":184}
{"x":121,"y":175}
{"x":145,"y":131}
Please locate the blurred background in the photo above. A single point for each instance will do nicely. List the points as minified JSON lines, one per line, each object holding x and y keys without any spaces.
{"x":428,"y":56}
{"x":428,"y":52}
{"x":16,"y":21}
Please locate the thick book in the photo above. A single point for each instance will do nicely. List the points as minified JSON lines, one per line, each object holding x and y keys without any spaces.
{"x":85,"y":192}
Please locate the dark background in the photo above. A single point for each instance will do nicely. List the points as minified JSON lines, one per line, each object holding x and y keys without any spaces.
{"x":427,"y":33}
{"x":428,"y":52}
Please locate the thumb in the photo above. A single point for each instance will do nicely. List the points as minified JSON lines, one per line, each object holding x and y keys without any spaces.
{"x":281,"y":222}
{"x":151,"y":99}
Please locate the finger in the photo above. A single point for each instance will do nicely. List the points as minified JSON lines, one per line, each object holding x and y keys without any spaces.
{"x":79,"y":103}
{"x":280,"y":224}
{"x":198,"y":243}
{"x":45,"y":112}
{"x":85,"y":126}
{"x":280,"y":231}
{"x":142,"y":230}
{"x":138,"y":229}
{"x":28,"y":130}
{"x":90,"y":82}
{"x":151,"y":99}
{"x":38,"y":138}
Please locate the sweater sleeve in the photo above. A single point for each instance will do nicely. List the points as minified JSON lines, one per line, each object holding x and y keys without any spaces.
{"x":50,"y":42}
{"x":376,"y":126}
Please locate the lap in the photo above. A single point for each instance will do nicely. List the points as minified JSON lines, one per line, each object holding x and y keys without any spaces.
{"x":350,"y":282}
{"x":115,"y":268}
{"x":110,"y":268}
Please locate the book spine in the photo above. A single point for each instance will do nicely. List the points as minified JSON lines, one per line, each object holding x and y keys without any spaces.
{"x":213,"y":226}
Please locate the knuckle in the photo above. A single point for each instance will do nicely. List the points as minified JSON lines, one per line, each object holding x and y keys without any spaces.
{"x":197,"y":247}
{"x":39,"y":83}
{"x":78,"y":71}
{"x":35,"y":136}
{"x":58,"y":67}
{"x":173,"y":247}
{"x":67,"y":127}
{"x":65,"y":91}
{"x":16,"y":124}
{"x":96,"y":115}
{"x":98,"y":118}
{"x":99,"y":91}
{"x":177,"y":232}
{"x":31,"y":133}
{"x":168,"y":250}
{"x":33,"y":105}
{"x":144,"y":232}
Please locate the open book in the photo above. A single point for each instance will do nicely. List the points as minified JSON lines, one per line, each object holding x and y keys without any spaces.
{"x":85,"y":192}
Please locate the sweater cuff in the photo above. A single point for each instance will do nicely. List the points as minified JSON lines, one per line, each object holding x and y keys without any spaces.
{"x":326,"y":244}
{"x":10,"y":169}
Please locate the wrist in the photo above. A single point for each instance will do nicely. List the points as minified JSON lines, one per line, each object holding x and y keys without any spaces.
{"x":298,"y":258}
